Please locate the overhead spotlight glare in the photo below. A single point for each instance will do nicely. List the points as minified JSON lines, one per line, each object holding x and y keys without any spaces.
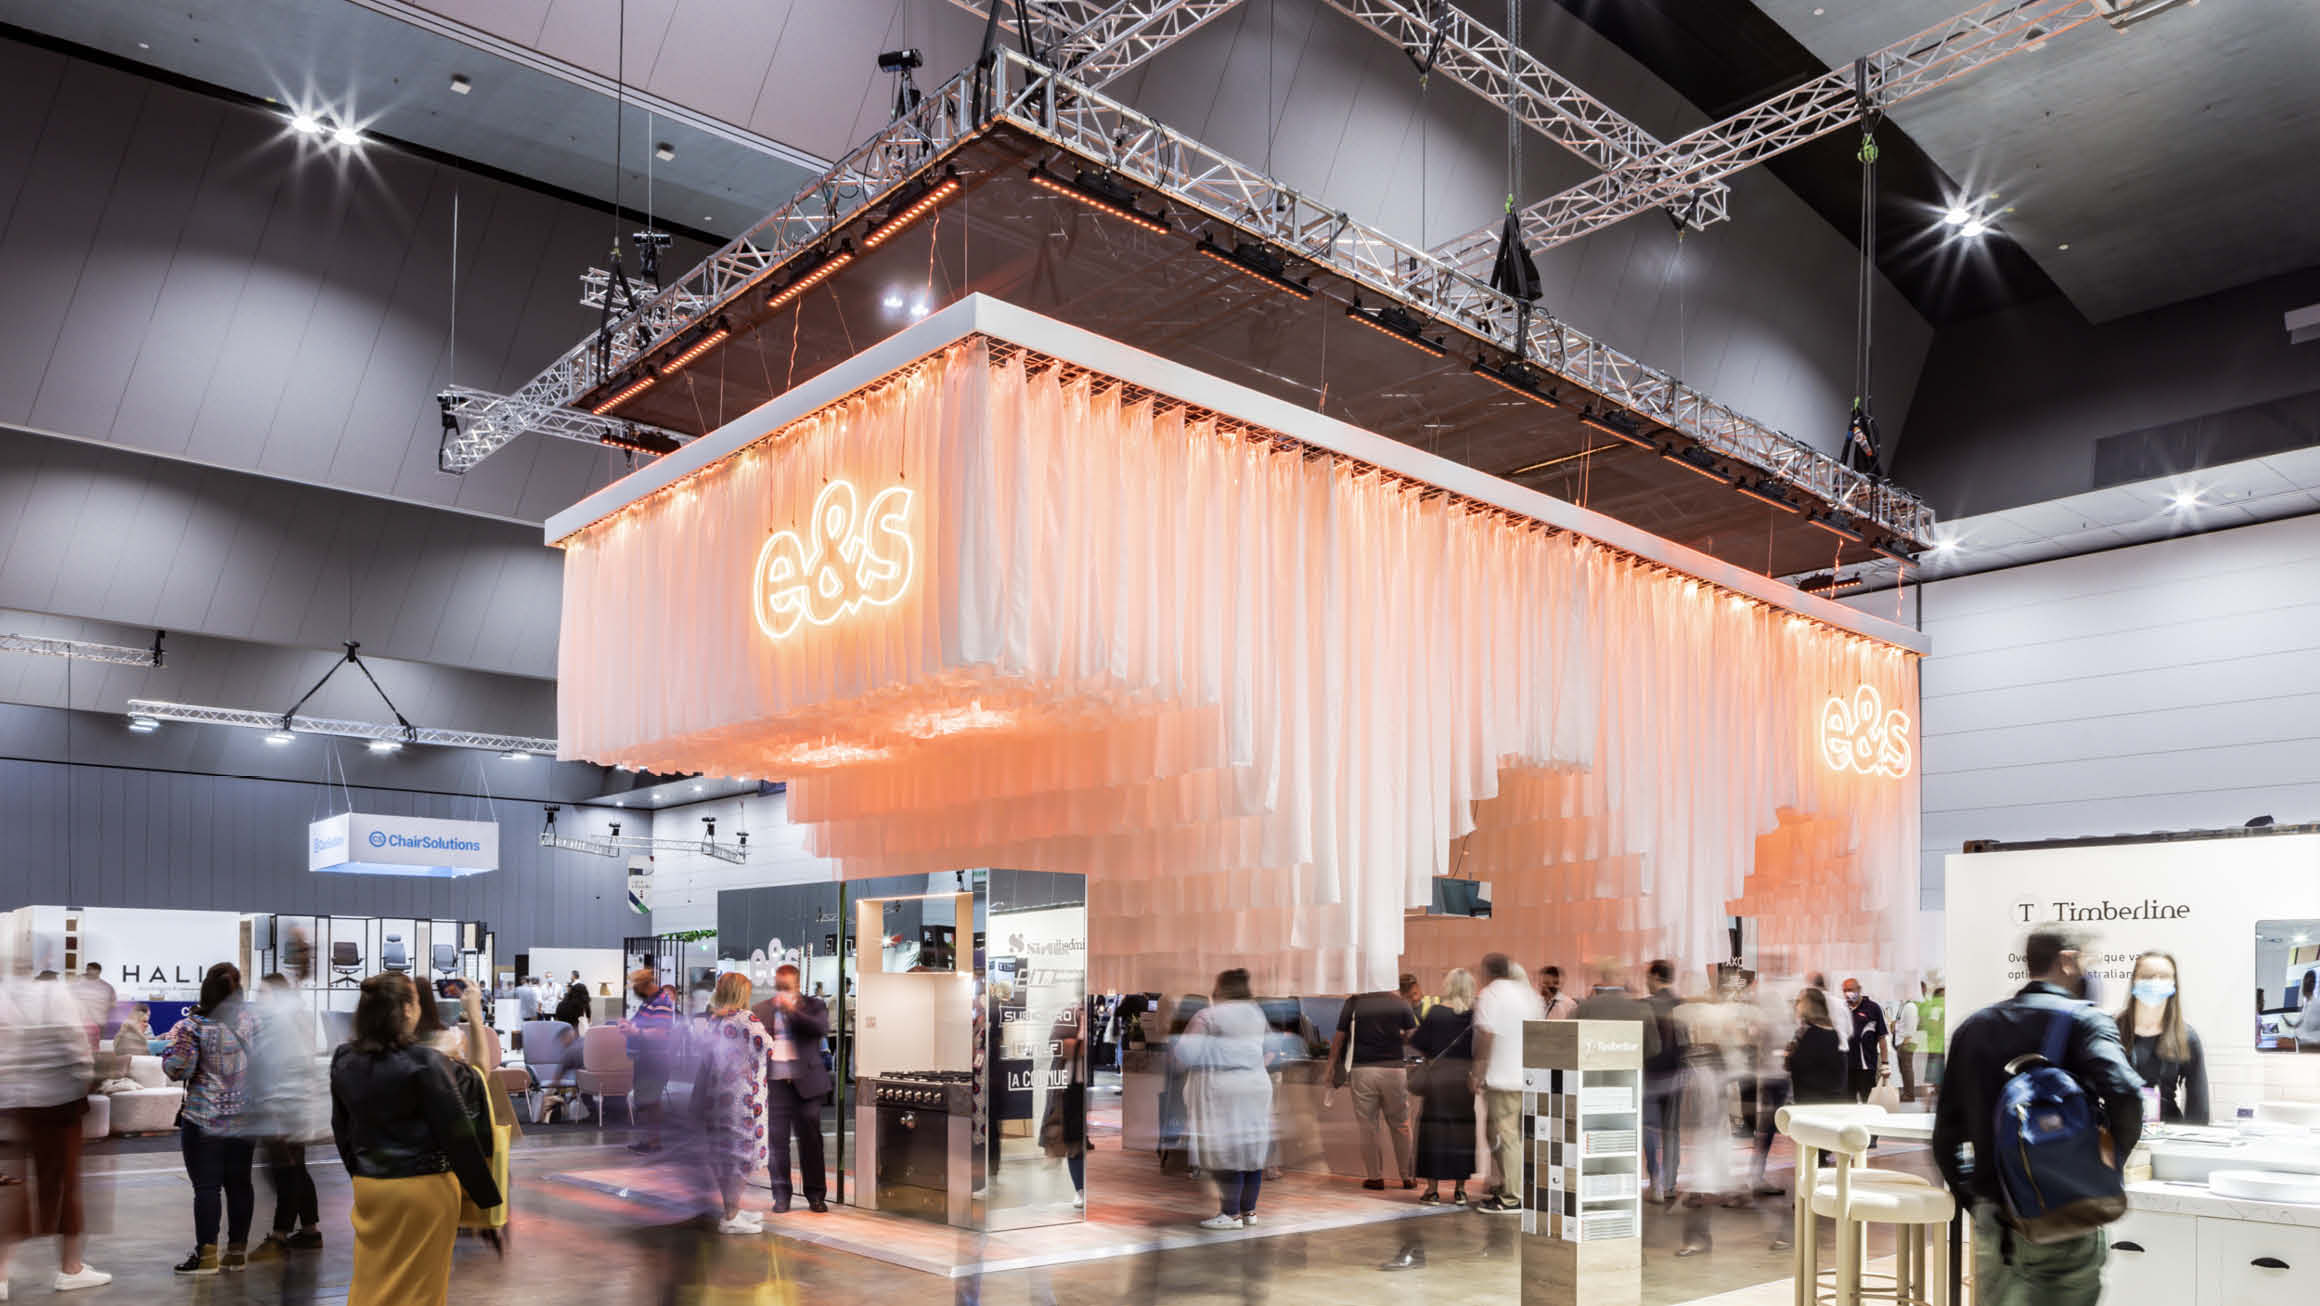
{"x":1974,"y":229}
{"x":1099,"y":190}
{"x":626,"y":393}
{"x":385,"y":745}
{"x":1257,"y":261}
{"x":2184,"y":500}
{"x":345,"y":137}
{"x":905,"y":214}
{"x":1957,"y":216}
{"x":306,"y":124}
{"x":279,"y":737}
{"x":812,"y":277}
{"x":1519,"y":378}
{"x":1404,"y":326}
{"x":143,"y":725}
{"x":892,"y":302}
{"x":918,"y":308}
{"x":696,"y":788}
{"x":1945,"y":548}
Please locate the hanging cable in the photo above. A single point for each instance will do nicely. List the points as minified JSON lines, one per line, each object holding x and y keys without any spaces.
{"x":1861,"y":450}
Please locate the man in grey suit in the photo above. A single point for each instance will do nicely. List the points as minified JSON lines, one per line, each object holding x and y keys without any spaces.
{"x":798,"y":1081}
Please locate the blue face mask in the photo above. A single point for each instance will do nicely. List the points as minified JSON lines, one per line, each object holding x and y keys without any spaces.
{"x":2154,"y":991}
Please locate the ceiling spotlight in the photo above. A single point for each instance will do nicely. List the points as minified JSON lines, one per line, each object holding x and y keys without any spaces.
{"x":2184,"y":500}
{"x":143,"y":725}
{"x":1957,"y":217}
{"x":515,"y":755}
{"x":460,"y":85}
{"x":345,"y":137}
{"x":305,"y":124}
{"x":2064,"y":247}
{"x":918,"y":308}
{"x":1945,"y":548}
{"x":620,"y":802}
{"x":892,"y":302}
{"x":664,"y":151}
{"x":1974,"y":229}
{"x":696,"y":788}
{"x":386,"y":745}
{"x":280,"y":737}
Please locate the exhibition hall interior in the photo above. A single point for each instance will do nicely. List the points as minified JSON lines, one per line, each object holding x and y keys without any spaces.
{"x":1548,"y":652}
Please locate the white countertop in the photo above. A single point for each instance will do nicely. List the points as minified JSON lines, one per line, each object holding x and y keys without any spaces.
{"x":2164,"y":1198}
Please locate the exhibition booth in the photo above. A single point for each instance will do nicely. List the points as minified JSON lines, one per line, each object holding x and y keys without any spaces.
{"x":1001,"y":592}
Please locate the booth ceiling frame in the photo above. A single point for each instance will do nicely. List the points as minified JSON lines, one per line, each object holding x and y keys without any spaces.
{"x":196,"y":714}
{"x":119,"y":655}
{"x":1020,"y":92}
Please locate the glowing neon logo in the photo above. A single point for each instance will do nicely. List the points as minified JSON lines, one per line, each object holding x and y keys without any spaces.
{"x":1861,"y":734}
{"x":860,"y":557}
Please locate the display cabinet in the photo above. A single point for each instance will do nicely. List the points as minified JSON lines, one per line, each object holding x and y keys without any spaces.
{"x":1583,"y":1175}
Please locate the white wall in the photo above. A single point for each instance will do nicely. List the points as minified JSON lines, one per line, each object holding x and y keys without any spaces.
{"x":2168,"y":686}
{"x":685,"y":885}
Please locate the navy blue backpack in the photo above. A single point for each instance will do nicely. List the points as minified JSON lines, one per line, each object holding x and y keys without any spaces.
{"x":2051,"y":1147}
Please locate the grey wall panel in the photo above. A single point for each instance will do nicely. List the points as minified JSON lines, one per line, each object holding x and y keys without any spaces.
{"x":92,"y":531}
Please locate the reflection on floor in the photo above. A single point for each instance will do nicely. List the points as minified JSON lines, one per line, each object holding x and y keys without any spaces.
{"x":575,"y":1243}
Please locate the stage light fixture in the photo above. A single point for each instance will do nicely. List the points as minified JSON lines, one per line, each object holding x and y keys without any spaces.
{"x":635,"y":439}
{"x":900,"y":61}
{"x":460,"y":85}
{"x":665,"y":152}
{"x":699,"y":347}
{"x":624,"y":394}
{"x":279,"y":737}
{"x":1100,"y":190}
{"x":893,"y":301}
{"x":143,"y":725}
{"x":1690,"y":459}
{"x":1521,"y":378}
{"x":515,"y":755}
{"x":1617,"y":425}
{"x":1885,"y":547}
{"x":385,"y":745}
{"x":820,"y":271}
{"x":1764,"y":492}
{"x":909,"y":207}
{"x":1829,"y":584}
{"x":1392,"y":320}
{"x":1837,"y":528}
{"x":1259,"y":261}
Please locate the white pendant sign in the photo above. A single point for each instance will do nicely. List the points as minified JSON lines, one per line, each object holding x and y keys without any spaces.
{"x":365,"y":843}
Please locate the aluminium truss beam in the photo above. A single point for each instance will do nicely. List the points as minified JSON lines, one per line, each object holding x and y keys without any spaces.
{"x":1828,"y":103}
{"x":1099,"y":41}
{"x":196,"y":714}
{"x":1486,"y":62}
{"x":118,"y":655}
{"x":487,"y":421}
{"x":618,"y":845}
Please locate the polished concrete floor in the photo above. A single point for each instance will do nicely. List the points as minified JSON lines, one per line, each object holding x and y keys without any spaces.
{"x":574,"y":1244}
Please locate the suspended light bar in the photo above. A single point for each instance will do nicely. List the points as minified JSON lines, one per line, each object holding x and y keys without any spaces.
{"x":637,"y":439}
{"x":1829,"y":584}
{"x":696,"y":349}
{"x":1520,"y":378}
{"x":1838,"y":529}
{"x":1099,"y":190}
{"x":290,"y":727}
{"x":1683,"y":458}
{"x":626,"y":393}
{"x":118,"y":655}
{"x":907,"y":211}
{"x":1402,"y":325}
{"x":1258,"y":261}
{"x":829,"y":266}
{"x":1616,"y":425}
{"x":143,"y":725}
{"x":1763,"y":492}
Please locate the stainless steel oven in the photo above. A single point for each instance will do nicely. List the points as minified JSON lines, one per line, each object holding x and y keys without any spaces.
{"x":921,"y":1126}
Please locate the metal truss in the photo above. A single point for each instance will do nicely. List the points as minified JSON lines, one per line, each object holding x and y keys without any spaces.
{"x":1139,"y":148}
{"x":1828,"y":103}
{"x":82,"y":651}
{"x":1098,"y":41}
{"x":480,"y":423}
{"x":624,"y":844}
{"x":196,"y":714}
{"x":1485,"y":62}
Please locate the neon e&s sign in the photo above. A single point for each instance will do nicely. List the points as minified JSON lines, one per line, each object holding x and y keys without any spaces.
{"x":860,"y":555}
{"x":1862,"y":735}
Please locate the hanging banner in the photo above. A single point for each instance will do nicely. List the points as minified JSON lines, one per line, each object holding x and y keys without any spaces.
{"x":365,"y":843}
{"x":640,"y":885}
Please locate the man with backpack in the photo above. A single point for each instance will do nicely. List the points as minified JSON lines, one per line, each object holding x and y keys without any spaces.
{"x":2033,"y":1083}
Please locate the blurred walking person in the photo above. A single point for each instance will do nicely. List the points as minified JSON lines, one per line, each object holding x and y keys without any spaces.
{"x":409,"y":1147}
{"x":1228,"y":1097}
{"x":46,"y":1062}
{"x":209,"y":1050}
{"x":1500,"y":1011}
{"x":1714,"y":1035}
{"x":797,"y":1079}
{"x":1445,"y":1147}
{"x":1663,"y":1084}
{"x":731,"y":1083}
{"x":1375,"y":1028}
{"x":290,"y":1111}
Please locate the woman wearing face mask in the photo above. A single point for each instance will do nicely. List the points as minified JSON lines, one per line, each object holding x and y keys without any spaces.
{"x":2164,"y":1050}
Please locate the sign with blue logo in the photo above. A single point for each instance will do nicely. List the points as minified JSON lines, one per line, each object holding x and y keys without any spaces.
{"x":365,"y":843}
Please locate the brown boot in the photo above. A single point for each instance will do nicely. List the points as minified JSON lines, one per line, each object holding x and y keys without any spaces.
{"x":235,"y":1258}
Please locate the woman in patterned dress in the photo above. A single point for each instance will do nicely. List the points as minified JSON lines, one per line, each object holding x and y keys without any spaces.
{"x":732,"y":1076}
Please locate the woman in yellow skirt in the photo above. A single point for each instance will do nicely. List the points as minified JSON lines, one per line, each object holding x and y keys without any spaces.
{"x":409,"y":1147}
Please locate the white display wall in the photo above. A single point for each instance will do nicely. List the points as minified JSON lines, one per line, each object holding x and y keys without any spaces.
{"x":2199,"y":899}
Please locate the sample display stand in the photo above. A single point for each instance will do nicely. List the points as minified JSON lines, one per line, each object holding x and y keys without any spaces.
{"x":1582,"y":1217}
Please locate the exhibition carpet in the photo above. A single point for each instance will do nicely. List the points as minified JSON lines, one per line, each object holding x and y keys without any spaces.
{"x":1132,"y":1209}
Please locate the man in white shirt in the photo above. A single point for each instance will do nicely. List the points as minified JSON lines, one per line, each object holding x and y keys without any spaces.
{"x":1500,"y":1011}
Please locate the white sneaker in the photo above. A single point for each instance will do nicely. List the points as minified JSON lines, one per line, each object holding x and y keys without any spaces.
{"x":754,"y":1219}
{"x":738,"y":1225}
{"x":88,"y":1276}
{"x":1221,"y":1222}
{"x":1249,"y":1221}
{"x":1079,"y":1200}
{"x":3,"y":1290}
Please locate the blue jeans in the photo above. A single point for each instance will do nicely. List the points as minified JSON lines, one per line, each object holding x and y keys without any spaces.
{"x":1239,"y":1191}
{"x":217,"y":1164}
{"x":1663,"y":1109}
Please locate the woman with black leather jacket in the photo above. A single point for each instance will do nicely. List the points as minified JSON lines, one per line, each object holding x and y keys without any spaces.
{"x":410,"y":1148}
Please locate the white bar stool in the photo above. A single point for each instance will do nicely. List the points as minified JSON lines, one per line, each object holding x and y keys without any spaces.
{"x":1855,"y":1196}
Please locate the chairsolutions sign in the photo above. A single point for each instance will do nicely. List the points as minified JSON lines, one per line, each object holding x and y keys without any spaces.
{"x":363,"y":843}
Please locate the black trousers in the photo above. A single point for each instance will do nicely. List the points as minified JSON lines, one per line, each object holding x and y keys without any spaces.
{"x":295,"y":1202}
{"x":1861,"y":1081}
{"x":792,"y":1113}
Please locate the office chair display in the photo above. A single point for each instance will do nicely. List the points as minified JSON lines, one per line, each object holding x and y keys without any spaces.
{"x":393,"y":956}
{"x":446,"y":959}
{"x":345,"y":964}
